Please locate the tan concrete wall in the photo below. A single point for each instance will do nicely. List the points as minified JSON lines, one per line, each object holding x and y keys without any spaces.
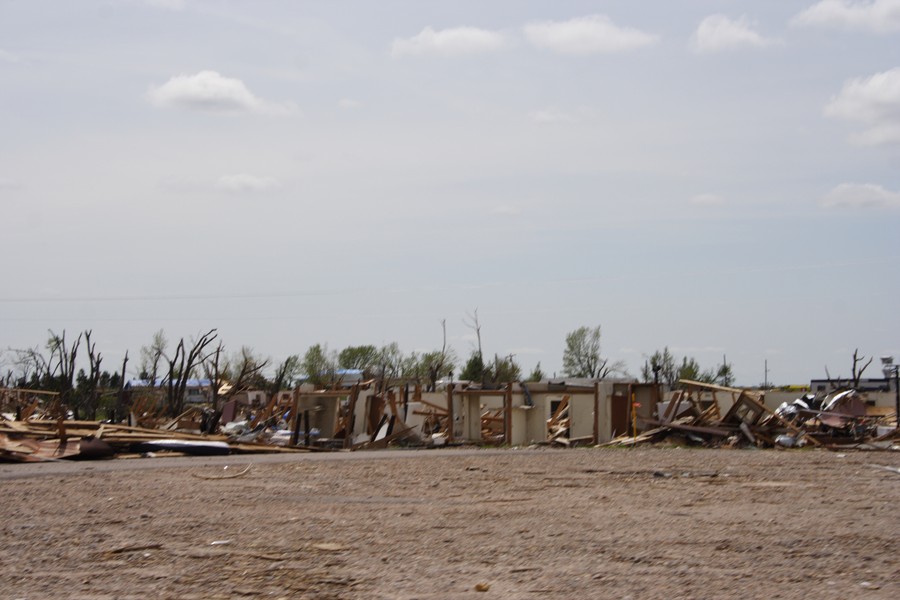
{"x":606,"y":392}
{"x":536,"y":421}
{"x":520,"y":426}
{"x":581,"y":413}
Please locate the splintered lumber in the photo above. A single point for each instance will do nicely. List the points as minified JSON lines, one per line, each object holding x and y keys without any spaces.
{"x":436,"y":407}
{"x":31,"y":450}
{"x":627,"y":440}
{"x":173,"y":424}
{"x":712,"y":387}
{"x":111,"y":433}
{"x":708,"y":415}
{"x":561,"y":411}
{"x":428,"y":413}
{"x":716,"y":431}
{"x":383,"y":442}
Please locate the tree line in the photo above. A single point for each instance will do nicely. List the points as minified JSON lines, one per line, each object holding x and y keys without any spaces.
{"x":169,"y":366}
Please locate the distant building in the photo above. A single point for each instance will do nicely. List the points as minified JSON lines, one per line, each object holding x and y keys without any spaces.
{"x":865,"y":385}
{"x":196,"y":391}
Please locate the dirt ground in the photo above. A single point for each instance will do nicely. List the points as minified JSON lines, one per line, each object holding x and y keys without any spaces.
{"x":639,"y":523}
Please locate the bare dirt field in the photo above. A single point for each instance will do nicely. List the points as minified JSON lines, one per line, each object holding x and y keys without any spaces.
{"x":640,"y":523}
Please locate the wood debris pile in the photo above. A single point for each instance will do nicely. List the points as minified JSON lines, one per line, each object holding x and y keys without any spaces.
{"x":693,"y":417}
{"x":308,"y":421}
{"x":42,"y":440}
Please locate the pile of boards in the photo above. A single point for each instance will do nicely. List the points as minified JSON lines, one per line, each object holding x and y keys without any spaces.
{"x":693,"y":417}
{"x":46,"y":440}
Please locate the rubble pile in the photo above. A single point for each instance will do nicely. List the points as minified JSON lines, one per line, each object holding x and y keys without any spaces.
{"x":839,"y":420}
{"x":373,"y":414}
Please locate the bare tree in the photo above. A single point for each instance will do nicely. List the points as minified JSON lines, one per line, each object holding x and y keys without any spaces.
{"x":120,"y":396}
{"x":856,"y":372}
{"x":180,"y":367}
{"x":213,"y":368}
{"x":244,"y":370}
{"x":241,"y":372}
{"x":285,"y":373}
{"x":436,"y":364}
{"x":90,"y":394}
{"x":62,"y":368}
{"x":29,"y":366}
{"x":390,"y":363}
{"x":151,"y":356}
{"x":473,"y":324}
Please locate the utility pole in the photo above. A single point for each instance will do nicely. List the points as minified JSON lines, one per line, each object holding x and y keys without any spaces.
{"x":889,"y":368}
{"x":766,"y":376}
{"x":896,"y":396}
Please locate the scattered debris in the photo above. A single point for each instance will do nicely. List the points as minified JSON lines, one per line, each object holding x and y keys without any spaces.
{"x":375,"y":414}
{"x":225,"y":476}
{"x":887,"y":468}
{"x":839,"y":420}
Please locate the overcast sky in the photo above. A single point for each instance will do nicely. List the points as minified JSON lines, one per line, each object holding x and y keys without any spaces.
{"x":715,"y":177}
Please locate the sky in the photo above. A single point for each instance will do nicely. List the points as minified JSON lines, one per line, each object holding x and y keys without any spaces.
{"x":719,"y":178}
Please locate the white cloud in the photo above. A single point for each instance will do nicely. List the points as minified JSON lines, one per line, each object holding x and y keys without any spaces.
{"x":592,"y":34}
{"x":244,"y":182}
{"x":8,"y":57}
{"x":210,"y":92}
{"x":456,"y":41}
{"x":873,"y":101}
{"x":707,"y":200}
{"x":861,"y":195}
{"x":551,"y":115}
{"x":879,"y":16}
{"x":349,"y":103}
{"x":717,"y":33}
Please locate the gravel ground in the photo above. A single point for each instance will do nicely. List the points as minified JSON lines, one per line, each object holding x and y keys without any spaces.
{"x":639,"y":523}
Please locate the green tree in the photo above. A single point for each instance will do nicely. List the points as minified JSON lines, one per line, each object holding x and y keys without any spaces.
{"x":319,"y":365}
{"x":390,"y":362}
{"x":363,"y":358}
{"x":690,"y":369}
{"x":435,"y":364}
{"x":537,"y":374}
{"x":503,"y":370}
{"x":662,"y":363}
{"x":411,"y":368}
{"x":725,"y":373}
{"x":581,"y":357}
{"x":669,"y":373}
{"x":474,"y":369}
{"x":438,"y":362}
